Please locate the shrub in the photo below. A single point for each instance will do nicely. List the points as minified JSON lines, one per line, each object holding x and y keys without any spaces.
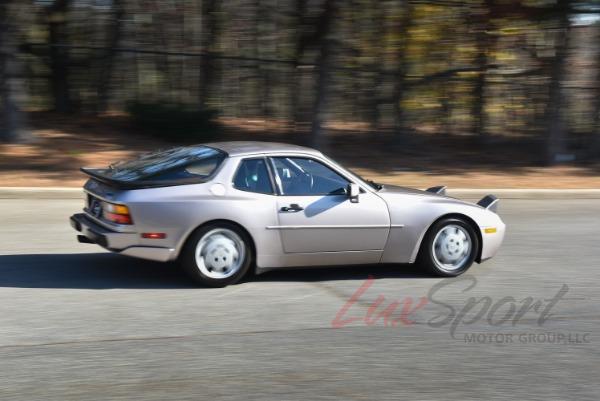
{"x":174,"y":122}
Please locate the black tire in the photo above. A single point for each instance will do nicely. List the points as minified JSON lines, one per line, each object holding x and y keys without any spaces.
{"x":188,"y":262}
{"x":427,"y":258}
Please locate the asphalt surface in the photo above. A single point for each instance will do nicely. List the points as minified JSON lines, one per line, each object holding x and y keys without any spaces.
{"x":79,"y":323}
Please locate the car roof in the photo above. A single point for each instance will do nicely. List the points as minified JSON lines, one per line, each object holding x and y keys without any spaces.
{"x":244,"y":148}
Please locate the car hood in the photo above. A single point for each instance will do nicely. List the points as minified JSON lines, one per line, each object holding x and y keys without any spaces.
{"x":394,"y":191}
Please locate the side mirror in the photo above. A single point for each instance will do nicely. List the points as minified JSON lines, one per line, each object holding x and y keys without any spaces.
{"x":353,"y":191}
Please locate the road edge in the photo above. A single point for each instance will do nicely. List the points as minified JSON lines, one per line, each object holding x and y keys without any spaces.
{"x":466,"y":193}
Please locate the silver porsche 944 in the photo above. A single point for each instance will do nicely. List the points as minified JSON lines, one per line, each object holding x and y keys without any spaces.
{"x":220,"y":209}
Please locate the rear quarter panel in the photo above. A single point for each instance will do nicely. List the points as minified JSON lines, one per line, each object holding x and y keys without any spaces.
{"x":179,"y":210}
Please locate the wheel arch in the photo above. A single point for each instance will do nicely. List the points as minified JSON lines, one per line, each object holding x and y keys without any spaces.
{"x":461,"y":216}
{"x":216,"y":222}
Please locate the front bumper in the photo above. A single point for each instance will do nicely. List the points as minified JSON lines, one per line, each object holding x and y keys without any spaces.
{"x":491,"y":242}
{"x":122,"y":243}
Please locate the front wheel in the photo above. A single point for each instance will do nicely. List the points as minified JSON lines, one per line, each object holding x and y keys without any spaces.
{"x":449,"y":247}
{"x":217,"y":255}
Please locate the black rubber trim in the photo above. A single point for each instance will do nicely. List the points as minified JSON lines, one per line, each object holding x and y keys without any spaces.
{"x":75,"y":223}
{"x":77,"y":220}
{"x":439,"y":190}
{"x":141,"y":184}
{"x":489,"y":202}
{"x":99,"y":239}
{"x":84,"y":240}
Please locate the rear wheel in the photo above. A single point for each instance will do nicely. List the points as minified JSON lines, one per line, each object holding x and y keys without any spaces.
{"x":449,"y":247}
{"x":217,"y":255}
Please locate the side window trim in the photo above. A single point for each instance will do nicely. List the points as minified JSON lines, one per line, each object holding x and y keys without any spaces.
{"x":279,"y":186}
{"x":237,"y":169}
{"x":275,"y":180}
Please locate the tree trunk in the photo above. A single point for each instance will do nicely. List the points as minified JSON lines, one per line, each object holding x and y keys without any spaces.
{"x":318,"y":134}
{"x":262,"y":42}
{"x":114,"y":36}
{"x":12,"y":119}
{"x":59,"y":56}
{"x":210,"y":31}
{"x":296,"y":74}
{"x":556,"y":127}
{"x":483,"y":26}
{"x":378,"y":42}
{"x":595,"y":142}
{"x":402,"y":66}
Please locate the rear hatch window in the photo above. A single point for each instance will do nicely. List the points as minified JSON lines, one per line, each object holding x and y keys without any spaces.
{"x":181,"y":165}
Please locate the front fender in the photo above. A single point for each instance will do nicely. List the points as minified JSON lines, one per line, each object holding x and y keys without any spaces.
{"x":411,"y":216}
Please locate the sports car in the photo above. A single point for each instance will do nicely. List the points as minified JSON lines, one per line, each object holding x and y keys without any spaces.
{"x":223,"y":209}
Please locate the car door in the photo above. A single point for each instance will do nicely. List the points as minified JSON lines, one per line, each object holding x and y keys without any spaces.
{"x":316,"y":214}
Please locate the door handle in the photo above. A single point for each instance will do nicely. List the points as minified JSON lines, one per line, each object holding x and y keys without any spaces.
{"x":294,"y":207}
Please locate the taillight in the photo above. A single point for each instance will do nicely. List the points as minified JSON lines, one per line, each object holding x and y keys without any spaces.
{"x":116,"y":213}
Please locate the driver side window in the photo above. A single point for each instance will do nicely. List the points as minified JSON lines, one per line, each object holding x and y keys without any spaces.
{"x":304,"y":176}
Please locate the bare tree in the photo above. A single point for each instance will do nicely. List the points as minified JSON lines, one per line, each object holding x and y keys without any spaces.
{"x":12,"y":121}
{"x":556,"y":127}
{"x":483,"y":43}
{"x":401,"y":68}
{"x":379,"y":32}
{"x":595,"y":144}
{"x":209,"y":36}
{"x":325,"y":23}
{"x":262,"y":33}
{"x":301,"y":43}
{"x":115,"y":30}
{"x":59,"y":55}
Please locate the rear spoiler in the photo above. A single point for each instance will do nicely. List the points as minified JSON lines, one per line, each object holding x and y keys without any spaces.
{"x":489,"y":202}
{"x":97,"y":175}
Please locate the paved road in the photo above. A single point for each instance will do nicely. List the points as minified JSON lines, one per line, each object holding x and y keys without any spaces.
{"x":79,"y":323}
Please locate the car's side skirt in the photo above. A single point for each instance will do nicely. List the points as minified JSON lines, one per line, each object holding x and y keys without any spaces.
{"x":270,"y":262}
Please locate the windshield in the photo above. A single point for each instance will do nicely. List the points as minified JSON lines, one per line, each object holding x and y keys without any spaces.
{"x":197,"y":161}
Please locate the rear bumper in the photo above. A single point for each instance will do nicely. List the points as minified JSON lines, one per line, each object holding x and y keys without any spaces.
{"x":122,"y":243}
